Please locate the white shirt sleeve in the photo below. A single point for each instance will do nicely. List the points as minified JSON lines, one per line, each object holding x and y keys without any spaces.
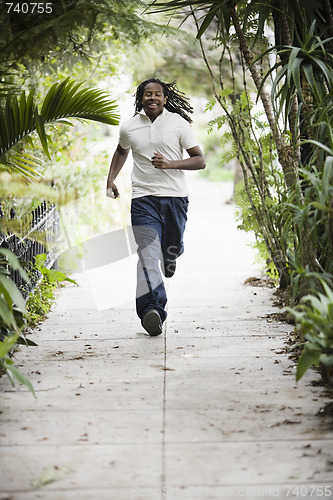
{"x":123,"y":137}
{"x":187,"y":138}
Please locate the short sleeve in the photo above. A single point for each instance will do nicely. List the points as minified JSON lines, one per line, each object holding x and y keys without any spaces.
{"x":123,"y":137}
{"x":187,"y":137}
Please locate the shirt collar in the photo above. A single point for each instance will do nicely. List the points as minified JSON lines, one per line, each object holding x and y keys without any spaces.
{"x":164,"y":112}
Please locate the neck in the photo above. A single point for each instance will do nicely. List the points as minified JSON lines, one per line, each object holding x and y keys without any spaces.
{"x":152,"y":117}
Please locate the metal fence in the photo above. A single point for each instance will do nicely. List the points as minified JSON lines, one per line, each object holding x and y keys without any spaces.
{"x":40,"y":237}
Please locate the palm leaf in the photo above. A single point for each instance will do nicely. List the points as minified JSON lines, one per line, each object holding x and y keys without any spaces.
{"x":211,"y":9}
{"x":310,"y":76}
{"x":8,"y":88}
{"x":293,"y":72}
{"x":20,"y":117}
{"x":207,"y":20}
{"x":16,"y":120}
{"x":22,"y":163}
{"x":65,"y":100}
{"x":39,"y":123}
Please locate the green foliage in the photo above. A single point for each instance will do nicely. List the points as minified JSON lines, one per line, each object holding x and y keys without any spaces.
{"x":314,"y":319}
{"x":305,"y":61}
{"x":245,"y":215}
{"x":51,"y":275}
{"x":215,"y":11}
{"x":18,"y":118}
{"x":11,"y":300}
{"x":7,"y":363}
{"x":175,"y":56}
{"x":41,"y":299}
{"x":73,"y":32}
{"x":40,"y":302}
{"x":215,"y":172}
{"x":262,"y":191}
{"x":80,"y":167}
{"x":308,"y":215}
{"x":219,"y":156}
{"x":12,"y":307}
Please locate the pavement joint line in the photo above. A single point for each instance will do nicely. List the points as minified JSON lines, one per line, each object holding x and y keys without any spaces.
{"x":176,"y":336}
{"x":173,"y":358}
{"x":163,"y":464}
{"x":171,"y":443}
{"x":142,"y":410}
{"x":214,"y":486}
{"x":174,"y":323}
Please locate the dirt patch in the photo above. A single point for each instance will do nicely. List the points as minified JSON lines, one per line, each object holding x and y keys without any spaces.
{"x":282,"y":317}
{"x":260,"y":282}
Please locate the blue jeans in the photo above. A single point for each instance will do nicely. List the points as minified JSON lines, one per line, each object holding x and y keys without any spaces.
{"x":158,"y":225}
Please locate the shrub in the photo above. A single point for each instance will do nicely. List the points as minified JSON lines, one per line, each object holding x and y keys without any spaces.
{"x":41,"y":299}
{"x":12,"y":308}
{"x":314,"y":319}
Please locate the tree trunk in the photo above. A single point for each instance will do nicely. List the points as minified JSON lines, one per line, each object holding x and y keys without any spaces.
{"x":286,"y":154}
{"x":283,"y":37}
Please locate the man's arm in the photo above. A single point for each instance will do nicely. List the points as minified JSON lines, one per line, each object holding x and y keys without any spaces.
{"x":196,"y":161}
{"x":117,"y":163}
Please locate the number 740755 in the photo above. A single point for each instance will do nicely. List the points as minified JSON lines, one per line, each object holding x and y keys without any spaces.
{"x":29,"y":8}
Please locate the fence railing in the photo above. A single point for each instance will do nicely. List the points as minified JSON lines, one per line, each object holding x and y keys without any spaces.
{"x":40,"y":237}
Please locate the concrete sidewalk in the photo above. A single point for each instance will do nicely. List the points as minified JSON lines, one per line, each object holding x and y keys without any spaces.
{"x":210,"y":409}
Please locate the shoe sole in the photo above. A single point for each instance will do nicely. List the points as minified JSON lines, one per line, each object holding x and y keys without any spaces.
{"x":152,"y":323}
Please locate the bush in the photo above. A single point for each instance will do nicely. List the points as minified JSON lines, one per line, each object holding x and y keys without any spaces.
{"x":41,"y":299}
{"x":12,"y":308}
{"x":314,"y":319}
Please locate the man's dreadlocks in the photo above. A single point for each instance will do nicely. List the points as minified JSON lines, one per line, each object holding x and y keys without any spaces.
{"x":176,"y":102}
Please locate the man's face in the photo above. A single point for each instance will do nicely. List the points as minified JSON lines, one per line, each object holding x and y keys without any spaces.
{"x":153,"y":100}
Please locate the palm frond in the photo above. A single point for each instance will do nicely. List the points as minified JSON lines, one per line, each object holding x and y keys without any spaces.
{"x":18,"y":161}
{"x":16,"y":120}
{"x":19,"y":117}
{"x":212,"y":9}
{"x":65,"y":100}
{"x":8,"y":88}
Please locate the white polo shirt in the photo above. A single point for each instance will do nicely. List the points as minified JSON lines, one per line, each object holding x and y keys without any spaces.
{"x":169,"y":134}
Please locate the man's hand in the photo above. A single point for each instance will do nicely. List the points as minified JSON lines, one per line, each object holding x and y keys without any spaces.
{"x":196,"y":161}
{"x":112,"y":190}
{"x":159,"y":161}
{"x":117,"y":162}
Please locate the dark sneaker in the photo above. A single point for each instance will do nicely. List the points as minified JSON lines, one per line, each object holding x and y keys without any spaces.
{"x":169,"y":268}
{"x":152,"y":323}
